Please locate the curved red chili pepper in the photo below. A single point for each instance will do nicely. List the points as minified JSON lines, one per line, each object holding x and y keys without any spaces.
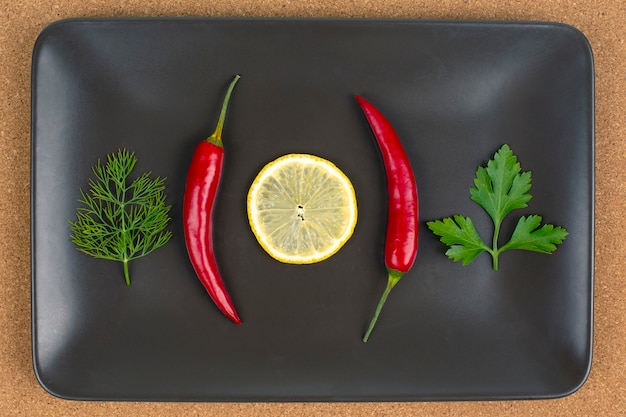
{"x":402,"y":204}
{"x":201,"y":188}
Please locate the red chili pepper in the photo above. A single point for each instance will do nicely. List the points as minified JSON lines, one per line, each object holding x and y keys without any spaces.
{"x":201,"y":188}
{"x":402,"y":203}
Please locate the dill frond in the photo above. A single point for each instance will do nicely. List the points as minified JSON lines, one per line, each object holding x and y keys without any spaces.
{"x":119,"y":219}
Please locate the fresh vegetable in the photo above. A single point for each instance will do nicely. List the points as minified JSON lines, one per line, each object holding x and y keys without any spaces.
{"x":203,"y":178}
{"x":121,"y":221}
{"x":402,"y":204}
{"x":499,"y":188}
{"x":301,"y":208}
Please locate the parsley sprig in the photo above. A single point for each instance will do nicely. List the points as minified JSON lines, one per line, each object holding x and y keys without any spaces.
{"x":498,"y":188}
{"x":118,"y":220}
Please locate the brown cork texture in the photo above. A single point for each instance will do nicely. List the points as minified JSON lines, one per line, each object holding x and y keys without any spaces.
{"x":602,"y":21}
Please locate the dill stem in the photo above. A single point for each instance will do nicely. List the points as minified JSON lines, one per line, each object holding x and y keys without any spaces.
{"x":126,"y":273}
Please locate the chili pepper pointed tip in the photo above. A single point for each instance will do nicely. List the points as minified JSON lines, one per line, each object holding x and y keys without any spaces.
{"x":231,"y":313}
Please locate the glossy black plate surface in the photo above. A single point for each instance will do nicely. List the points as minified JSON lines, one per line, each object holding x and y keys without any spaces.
{"x":455,"y":92}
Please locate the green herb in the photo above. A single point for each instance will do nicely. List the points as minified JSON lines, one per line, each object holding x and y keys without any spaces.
{"x":121,"y":221}
{"x":499,"y":188}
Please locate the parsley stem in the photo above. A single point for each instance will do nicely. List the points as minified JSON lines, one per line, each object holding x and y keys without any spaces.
{"x":495,"y":250}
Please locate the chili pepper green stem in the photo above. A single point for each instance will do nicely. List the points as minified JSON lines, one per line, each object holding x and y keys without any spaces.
{"x":394,"y":277}
{"x":216,"y":137}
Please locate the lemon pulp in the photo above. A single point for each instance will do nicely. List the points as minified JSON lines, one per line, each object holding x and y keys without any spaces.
{"x":301,"y":208}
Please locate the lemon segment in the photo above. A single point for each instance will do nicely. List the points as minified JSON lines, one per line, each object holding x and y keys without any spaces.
{"x":301,"y":208}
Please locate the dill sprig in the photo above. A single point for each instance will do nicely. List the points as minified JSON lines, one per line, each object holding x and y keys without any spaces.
{"x":121,"y":221}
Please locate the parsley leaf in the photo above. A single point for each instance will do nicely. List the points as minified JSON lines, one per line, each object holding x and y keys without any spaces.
{"x":528,"y":235}
{"x":120,"y":221}
{"x":499,"y":188}
{"x":462,"y":237}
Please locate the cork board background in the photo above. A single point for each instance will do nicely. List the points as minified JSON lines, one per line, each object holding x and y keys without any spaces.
{"x":602,"y":21}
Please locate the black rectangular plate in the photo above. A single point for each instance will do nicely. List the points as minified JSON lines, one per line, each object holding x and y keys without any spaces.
{"x":455,"y":92}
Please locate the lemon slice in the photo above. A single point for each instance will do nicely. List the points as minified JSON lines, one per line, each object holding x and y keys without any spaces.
{"x":301,"y":208}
